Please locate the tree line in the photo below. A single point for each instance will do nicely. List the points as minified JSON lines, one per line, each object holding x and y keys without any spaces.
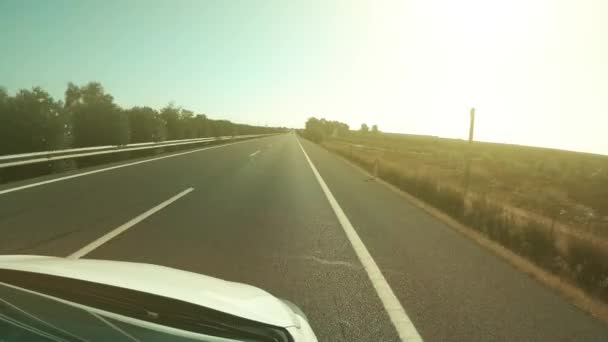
{"x":32,"y":120}
{"x":319,"y":129}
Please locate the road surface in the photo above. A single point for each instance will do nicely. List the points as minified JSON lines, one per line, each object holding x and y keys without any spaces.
{"x":255,"y":212}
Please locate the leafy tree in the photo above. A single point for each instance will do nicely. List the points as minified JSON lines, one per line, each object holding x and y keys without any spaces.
{"x":375,"y":129}
{"x":5,"y":119}
{"x":96,"y":119}
{"x":186,"y":123}
{"x":364,"y":128}
{"x":31,"y":121}
{"x":201,"y":126}
{"x":314,"y":130}
{"x":171,"y":117}
{"x":221,"y":127}
{"x":72,"y":95}
{"x":319,"y":129}
{"x":341,"y":128}
{"x":3,"y":98}
{"x":145,"y":125}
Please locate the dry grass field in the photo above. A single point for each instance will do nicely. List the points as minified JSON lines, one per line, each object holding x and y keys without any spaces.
{"x":550,"y":206}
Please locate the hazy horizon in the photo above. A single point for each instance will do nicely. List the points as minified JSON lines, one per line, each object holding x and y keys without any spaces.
{"x":536,"y":72}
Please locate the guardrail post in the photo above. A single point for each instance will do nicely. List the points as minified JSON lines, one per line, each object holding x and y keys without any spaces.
{"x":376,"y":167}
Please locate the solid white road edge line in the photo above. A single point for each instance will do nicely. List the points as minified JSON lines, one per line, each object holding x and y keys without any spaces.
{"x":95,"y":244}
{"x":27,"y":186}
{"x":254,"y":153}
{"x":404,"y":326}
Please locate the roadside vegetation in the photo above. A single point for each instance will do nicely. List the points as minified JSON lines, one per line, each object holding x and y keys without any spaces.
{"x":550,"y":206}
{"x":32,"y":121}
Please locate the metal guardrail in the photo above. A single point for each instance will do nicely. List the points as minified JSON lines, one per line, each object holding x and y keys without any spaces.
{"x":48,"y":156}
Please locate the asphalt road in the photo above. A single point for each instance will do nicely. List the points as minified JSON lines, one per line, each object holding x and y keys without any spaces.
{"x":258,"y":215}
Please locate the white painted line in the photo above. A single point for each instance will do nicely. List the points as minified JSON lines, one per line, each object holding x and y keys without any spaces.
{"x":27,"y":186}
{"x":404,"y":326}
{"x":254,"y":153}
{"x":95,"y":244}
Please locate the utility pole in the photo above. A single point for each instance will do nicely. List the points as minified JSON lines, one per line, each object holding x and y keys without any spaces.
{"x":472,"y":125}
{"x":468,"y":154}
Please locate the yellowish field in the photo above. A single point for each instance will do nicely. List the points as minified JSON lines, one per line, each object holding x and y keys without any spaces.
{"x":547,"y":205}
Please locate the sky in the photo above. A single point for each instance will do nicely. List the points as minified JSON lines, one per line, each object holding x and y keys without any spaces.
{"x":535,"y":70}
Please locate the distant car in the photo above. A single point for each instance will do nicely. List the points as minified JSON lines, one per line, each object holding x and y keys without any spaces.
{"x":58,"y":299}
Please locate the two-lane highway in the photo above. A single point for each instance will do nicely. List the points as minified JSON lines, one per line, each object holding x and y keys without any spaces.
{"x":255,"y":212}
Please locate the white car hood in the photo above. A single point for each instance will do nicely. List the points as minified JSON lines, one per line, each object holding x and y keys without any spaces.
{"x":233,"y":298}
